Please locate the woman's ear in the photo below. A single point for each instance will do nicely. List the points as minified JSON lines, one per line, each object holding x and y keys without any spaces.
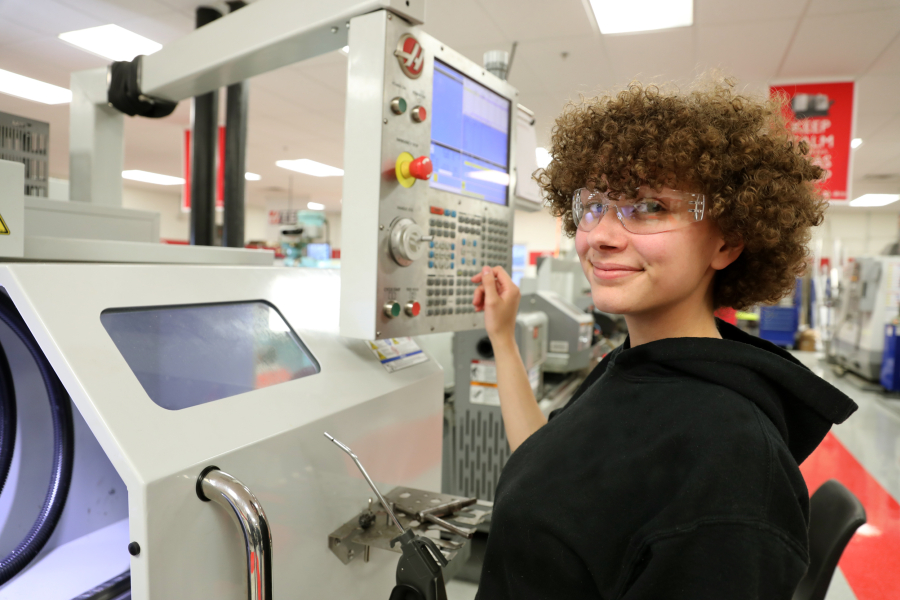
{"x":726,"y":254}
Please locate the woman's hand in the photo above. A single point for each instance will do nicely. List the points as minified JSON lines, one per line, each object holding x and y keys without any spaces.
{"x":498,"y":297}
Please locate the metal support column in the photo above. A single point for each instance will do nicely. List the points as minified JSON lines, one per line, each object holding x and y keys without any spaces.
{"x":205,"y":128}
{"x":235,"y":158}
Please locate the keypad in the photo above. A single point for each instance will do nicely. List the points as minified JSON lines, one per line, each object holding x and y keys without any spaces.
{"x":462,"y":245}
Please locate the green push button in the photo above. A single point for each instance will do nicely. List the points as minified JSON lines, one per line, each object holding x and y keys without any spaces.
{"x":392,"y":309}
{"x":398,"y":106}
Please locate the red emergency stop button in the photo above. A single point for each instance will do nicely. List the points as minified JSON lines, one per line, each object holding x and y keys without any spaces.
{"x":419,"y":114}
{"x":413,"y":309}
{"x":409,"y":169}
{"x":421,"y":168}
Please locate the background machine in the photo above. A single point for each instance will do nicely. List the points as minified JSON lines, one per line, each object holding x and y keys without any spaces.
{"x":177,"y":410}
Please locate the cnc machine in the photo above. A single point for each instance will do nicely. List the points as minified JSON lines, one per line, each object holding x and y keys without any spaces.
{"x":188,"y":400}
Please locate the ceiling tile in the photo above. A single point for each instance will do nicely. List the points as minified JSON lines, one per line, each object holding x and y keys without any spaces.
{"x":878,"y":94}
{"x":118,"y":11}
{"x":656,"y":55}
{"x":836,"y":45}
{"x":47,"y":16}
{"x":726,"y":47}
{"x":831,"y":7}
{"x":869,"y":123}
{"x":888,"y":62}
{"x":163,"y":28}
{"x":709,"y":12}
{"x":573,"y":64}
{"x":529,"y":20}
{"x":13,"y":33}
{"x":461,"y":23}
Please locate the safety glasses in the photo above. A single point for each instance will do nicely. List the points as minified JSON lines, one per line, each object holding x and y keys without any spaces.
{"x":647,"y":213}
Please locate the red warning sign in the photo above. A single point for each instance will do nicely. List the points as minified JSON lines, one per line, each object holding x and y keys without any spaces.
{"x":410,"y":55}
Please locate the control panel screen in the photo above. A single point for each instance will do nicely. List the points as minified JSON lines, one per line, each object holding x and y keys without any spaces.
{"x":469,"y":137}
{"x":189,"y":355}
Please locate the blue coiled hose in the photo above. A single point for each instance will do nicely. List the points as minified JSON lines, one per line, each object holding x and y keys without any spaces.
{"x":63,"y":445}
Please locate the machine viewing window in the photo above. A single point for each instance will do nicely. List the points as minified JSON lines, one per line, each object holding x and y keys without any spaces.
{"x":469,"y":137}
{"x":189,"y":355}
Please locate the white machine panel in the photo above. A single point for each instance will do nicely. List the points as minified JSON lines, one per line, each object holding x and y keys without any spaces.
{"x":270,"y":438}
{"x":429,"y":180}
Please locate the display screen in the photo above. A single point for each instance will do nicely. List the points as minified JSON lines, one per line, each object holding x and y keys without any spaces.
{"x":469,"y":137}
{"x":189,"y":355}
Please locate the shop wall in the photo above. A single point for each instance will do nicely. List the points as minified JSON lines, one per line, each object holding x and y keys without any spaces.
{"x":540,"y":232}
{"x":860,"y":231}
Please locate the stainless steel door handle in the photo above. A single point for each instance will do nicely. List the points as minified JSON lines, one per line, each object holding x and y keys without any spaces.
{"x":228,"y":492}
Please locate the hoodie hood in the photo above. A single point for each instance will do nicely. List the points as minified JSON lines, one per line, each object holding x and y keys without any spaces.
{"x":800,"y":404}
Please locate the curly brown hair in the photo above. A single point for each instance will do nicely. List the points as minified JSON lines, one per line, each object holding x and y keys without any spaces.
{"x":736,"y":149}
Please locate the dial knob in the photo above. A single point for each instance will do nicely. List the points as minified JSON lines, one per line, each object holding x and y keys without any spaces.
{"x":407,"y":243}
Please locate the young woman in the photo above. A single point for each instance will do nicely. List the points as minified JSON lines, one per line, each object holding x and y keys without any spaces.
{"x":673,"y":472}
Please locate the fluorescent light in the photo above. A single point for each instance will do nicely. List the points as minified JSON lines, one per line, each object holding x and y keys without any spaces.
{"x":856,"y":142}
{"x":148,"y":177}
{"x":310,"y":167}
{"x":315,"y":206}
{"x":111,"y":41}
{"x":252,"y":177}
{"x":32,"y":89}
{"x":875,"y":200}
{"x":490,"y":176}
{"x":543,"y":157}
{"x":616,"y":16}
{"x":346,"y":49}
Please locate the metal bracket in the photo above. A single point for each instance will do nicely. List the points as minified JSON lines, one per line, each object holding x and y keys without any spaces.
{"x":417,"y":510}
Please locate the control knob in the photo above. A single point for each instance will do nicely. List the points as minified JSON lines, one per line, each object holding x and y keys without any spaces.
{"x":407,"y":242}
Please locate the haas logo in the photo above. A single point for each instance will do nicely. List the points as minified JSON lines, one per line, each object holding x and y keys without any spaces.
{"x":410,"y":55}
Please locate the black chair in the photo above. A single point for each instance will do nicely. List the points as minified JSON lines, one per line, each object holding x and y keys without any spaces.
{"x":834,"y":516}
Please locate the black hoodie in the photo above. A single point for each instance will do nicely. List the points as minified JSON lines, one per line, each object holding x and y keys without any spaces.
{"x":672,"y":474}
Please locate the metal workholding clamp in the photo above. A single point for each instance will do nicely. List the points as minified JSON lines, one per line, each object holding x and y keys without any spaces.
{"x":419,"y":570}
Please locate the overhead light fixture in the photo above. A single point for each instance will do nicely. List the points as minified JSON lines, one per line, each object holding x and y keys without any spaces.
{"x":252,"y":177}
{"x":875,"y":200}
{"x":32,"y":89}
{"x":615,"y":16}
{"x":543,"y":157}
{"x":346,"y":49}
{"x":111,"y":41}
{"x":147,"y":177}
{"x":315,"y":206}
{"x":856,"y":142}
{"x":310,"y":167}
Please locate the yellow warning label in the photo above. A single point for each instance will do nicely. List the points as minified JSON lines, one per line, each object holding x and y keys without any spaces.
{"x":4,"y":230}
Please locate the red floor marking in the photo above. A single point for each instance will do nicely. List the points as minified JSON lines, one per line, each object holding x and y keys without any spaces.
{"x":870,"y":562}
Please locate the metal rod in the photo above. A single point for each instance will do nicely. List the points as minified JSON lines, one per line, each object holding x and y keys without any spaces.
{"x":362,"y":470}
{"x":235,"y":164}
{"x":235,"y":497}
{"x":205,"y":134}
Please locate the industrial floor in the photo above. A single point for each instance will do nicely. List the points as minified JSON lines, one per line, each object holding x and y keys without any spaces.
{"x":864,"y":455}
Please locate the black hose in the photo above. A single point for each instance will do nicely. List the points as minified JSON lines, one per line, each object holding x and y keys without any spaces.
{"x":7,"y":418}
{"x":63,"y":450}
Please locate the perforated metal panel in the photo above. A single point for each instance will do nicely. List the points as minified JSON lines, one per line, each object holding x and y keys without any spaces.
{"x":475,"y":446}
{"x":27,"y":141}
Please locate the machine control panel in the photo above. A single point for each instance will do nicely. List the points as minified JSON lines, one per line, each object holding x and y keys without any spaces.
{"x":441,"y":208}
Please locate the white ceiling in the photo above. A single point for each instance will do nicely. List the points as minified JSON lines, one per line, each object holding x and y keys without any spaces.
{"x":298,"y":111}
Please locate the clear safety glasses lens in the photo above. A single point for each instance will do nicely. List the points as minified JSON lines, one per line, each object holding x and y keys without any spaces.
{"x":649,"y":212}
